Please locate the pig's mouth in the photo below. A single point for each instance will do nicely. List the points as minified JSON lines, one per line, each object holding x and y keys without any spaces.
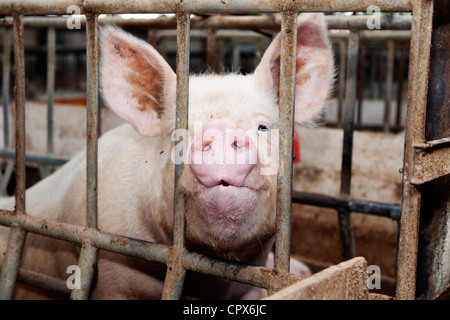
{"x":223,"y":183}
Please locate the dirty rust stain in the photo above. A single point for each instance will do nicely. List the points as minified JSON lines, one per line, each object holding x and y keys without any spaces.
{"x":146,"y":79}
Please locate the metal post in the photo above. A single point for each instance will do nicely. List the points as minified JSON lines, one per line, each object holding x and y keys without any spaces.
{"x":211,"y":55}
{"x":344,"y":215}
{"x":51,"y":42}
{"x":284,"y":177}
{"x":18,"y":235}
{"x":433,"y":265}
{"x":415,"y":134}
{"x":389,"y":81}
{"x":173,"y":284}
{"x":5,"y":102}
{"x":342,"y":68}
{"x":88,"y":254}
{"x":400,"y":76}
{"x":5,"y":83}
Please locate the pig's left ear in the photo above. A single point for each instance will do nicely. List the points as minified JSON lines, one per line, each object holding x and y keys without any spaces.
{"x":314,"y":70}
{"x":136,"y":82}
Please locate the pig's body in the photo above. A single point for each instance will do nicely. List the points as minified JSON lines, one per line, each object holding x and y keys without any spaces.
{"x":230,"y":208}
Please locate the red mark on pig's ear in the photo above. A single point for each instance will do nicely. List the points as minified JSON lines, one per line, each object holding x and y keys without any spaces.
{"x":136,"y":82}
{"x":314,"y":66}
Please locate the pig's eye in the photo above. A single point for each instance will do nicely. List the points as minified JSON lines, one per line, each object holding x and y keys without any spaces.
{"x":262,"y":127}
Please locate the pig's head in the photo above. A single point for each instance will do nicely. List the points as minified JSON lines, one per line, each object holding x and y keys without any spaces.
{"x":229,"y":180}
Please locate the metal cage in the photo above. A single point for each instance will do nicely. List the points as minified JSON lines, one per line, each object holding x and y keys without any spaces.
{"x":426,"y":161}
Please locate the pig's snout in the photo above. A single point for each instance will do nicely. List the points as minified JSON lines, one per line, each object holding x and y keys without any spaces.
{"x":223,"y":154}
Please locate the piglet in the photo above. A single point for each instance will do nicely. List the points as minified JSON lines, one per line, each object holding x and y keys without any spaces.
{"x":229,"y":177}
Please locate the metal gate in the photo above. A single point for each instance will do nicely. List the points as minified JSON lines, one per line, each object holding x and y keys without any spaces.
{"x":425,"y":172}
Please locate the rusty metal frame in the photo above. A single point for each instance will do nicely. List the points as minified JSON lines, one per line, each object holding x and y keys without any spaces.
{"x":176,"y":256}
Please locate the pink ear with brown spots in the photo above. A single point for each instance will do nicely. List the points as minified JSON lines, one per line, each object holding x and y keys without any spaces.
{"x":137,"y":83}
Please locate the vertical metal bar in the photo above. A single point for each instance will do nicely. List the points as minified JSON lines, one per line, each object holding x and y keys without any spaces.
{"x":342,"y":68}
{"x":5,"y":83}
{"x":400,"y":75}
{"x":92,"y":119}
{"x":433,"y":265}
{"x":284,"y":178}
{"x":344,"y":215}
{"x":415,"y":133}
{"x":87,"y":264}
{"x":389,"y":81}
{"x":360,"y":89}
{"x":51,"y":41}
{"x":258,"y":51}
{"x":173,"y":284}
{"x":211,"y":51}
{"x":88,"y":254}
{"x":220,"y":55}
{"x":17,"y":236}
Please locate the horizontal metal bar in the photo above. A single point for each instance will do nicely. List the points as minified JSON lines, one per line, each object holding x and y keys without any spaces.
{"x":392,"y":211}
{"x":50,"y":160}
{"x":10,"y":7}
{"x":43,"y":281}
{"x":236,"y":271}
{"x":253,"y":275}
{"x":78,"y":234}
{"x":222,"y":22}
{"x":432,"y":160}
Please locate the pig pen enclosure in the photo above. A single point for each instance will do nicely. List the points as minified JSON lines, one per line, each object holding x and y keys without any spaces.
{"x":371,"y":187}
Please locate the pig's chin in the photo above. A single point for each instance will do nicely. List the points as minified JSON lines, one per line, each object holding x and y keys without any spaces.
{"x":227,"y":217}
{"x":226,"y":206}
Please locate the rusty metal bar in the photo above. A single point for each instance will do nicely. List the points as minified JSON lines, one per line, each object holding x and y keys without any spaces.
{"x":11,"y":262}
{"x":415,"y":134}
{"x":223,"y":22}
{"x":51,"y":43}
{"x":78,"y":234}
{"x":284,"y":176}
{"x":92,"y":120}
{"x":433,"y":265}
{"x":10,"y":7}
{"x":392,"y":211}
{"x":6,"y":83}
{"x":253,"y":275}
{"x":211,"y":50}
{"x":49,"y":160}
{"x":432,"y":160}
{"x":17,"y":235}
{"x":342,"y":68}
{"x":42,"y":281}
{"x":4,"y":178}
{"x":87,"y":264}
{"x":360,"y":84}
{"x":88,"y":256}
{"x":389,"y":80}
{"x":344,"y":215}
{"x":236,"y":271}
{"x":400,"y":76}
{"x":176,"y":273}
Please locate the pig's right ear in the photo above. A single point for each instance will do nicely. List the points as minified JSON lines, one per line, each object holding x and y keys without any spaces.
{"x":314,"y":66}
{"x":136,"y":82}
